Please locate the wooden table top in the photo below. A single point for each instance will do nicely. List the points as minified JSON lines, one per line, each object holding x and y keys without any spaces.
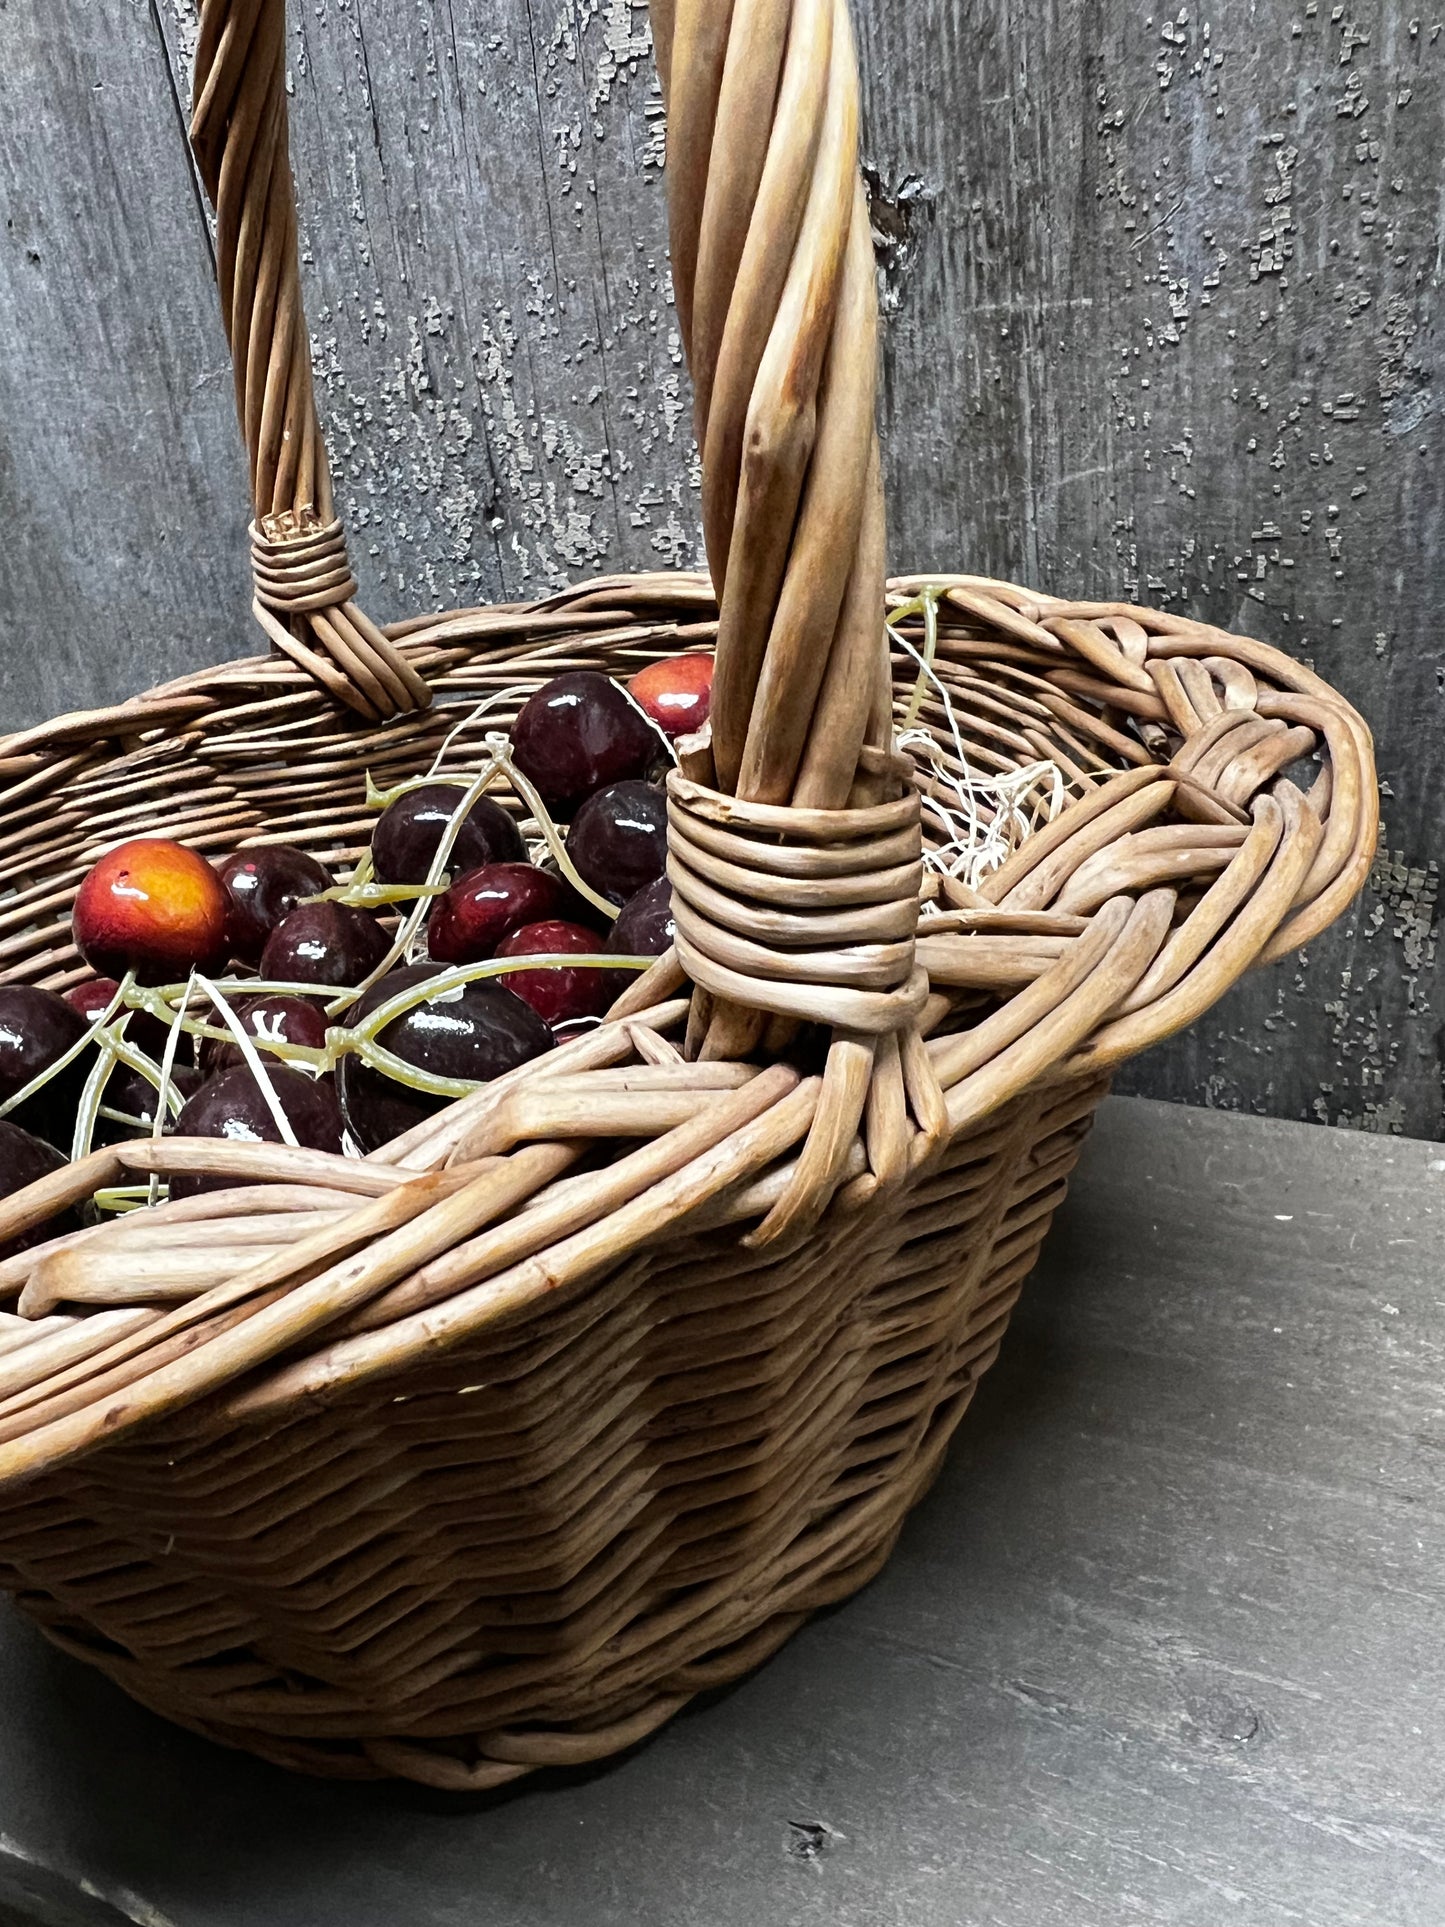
{"x":1165,"y":1645}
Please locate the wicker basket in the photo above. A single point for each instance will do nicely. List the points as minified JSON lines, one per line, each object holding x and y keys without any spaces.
{"x":578,"y":1399}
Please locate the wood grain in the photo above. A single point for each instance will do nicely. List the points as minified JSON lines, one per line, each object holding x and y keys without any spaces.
{"x":1162,"y":1647}
{"x":1158,"y":319}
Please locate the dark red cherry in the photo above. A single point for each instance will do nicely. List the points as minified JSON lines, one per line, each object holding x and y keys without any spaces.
{"x":477,"y":1031}
{"x":618,"y":839}
{"x":232,"y":1106}
{"x":569,"y":1033}
{"x":558,"y":995}
{"x":264,"y":886}
{"x":578,"y":733}
{"x":410,"y":831}
{"x":676,"y":693}
{"x":147,"y":1033}
{"x":127,"y":1091}
{"x":483,"y":908}
{"x":37,"y":1027}
{"x":324,"y":943}
{"x":23,"y":1159}
{"x":272,"y":1018}
{"x":645,"y":926}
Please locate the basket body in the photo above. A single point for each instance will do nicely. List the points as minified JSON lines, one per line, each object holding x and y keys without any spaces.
{"x":533,"y":1551}
{"x":531,"y":1547}
{"x":499,"y":1466}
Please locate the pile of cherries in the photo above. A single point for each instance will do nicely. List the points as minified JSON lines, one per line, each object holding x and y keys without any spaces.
{"x":152,"y":913}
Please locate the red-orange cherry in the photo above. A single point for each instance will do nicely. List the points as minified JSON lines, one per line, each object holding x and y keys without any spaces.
{"x":153,"y":907}
{"x":676,"y":693}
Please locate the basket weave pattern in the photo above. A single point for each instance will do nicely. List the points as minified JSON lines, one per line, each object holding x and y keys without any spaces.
{"x":576,"y":1400}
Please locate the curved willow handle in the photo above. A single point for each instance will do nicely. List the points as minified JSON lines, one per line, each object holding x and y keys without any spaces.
{"x":773,"y":269}
{"x":304,"y":583}
{"x":772,"y":265}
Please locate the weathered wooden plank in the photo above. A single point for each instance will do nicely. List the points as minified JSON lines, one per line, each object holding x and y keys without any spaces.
{"x":1162,"y":1646}
{"x":120,"y":480}
{"x":1160,"y":297}
{"x":500,"y":373}
{"x":1164,"y":290}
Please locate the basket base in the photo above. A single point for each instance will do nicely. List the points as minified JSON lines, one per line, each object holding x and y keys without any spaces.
{"x":833,"y":1376}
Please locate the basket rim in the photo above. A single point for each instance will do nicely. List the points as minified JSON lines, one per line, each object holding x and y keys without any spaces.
{"x":1078,"y":943}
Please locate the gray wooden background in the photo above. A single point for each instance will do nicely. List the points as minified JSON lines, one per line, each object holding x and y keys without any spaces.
{"x":1162,"y":318}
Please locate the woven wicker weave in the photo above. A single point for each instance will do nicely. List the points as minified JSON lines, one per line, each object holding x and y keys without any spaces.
{"x":487,"y":1452}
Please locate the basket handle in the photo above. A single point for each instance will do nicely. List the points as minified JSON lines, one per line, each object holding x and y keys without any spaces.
{"x":304,"y":585}
{"x":773,"y":268}
{"x":773,"y":271}
{"x":772,"y":264}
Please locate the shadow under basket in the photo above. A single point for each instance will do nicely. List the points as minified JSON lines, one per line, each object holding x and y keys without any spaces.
{"x":576,"y":1400}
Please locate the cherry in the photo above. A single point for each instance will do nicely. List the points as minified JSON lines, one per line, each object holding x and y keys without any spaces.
{"x":23,"y":1159}
{"x":578,"y":733}
{"x":618,"y":839}
{"x":232,"y":1106}
{"x":265,"y":885}
{"x":579,"y":1027}
{"x":410,"y":831}
{"x":324,"y":943}
{"x":483,"y":908}
{"x":126,"y":1090}
{"x":558,"y":995}
{"x":645,"y":926}
{"x":676,"y":693}
{"x":476,"y":1031}
{"x":154,"y":907}
{"x":272,"y":1018}
{"x":93,"y":999}
{"x":36,"y":1027}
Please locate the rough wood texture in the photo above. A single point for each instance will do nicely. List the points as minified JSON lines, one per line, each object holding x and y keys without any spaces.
{"x":1159,"y":318}
{"x":1161,"y":1647}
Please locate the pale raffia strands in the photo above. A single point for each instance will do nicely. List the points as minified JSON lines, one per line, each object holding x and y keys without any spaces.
{"x":490,"y":1451}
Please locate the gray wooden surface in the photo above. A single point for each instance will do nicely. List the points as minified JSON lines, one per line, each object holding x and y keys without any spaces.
{"x":1163,"y":319}
{"x":1163,"y":1646}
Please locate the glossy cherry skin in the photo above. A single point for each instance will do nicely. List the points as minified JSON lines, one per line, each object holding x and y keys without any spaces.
{"x":410,"y":831}
{"x":264,"y":886}
{"x":93,"y":999}
{"x":126,"y":1090}
{"x":618,"y":840}
{"x":558,"y":995}
{"x":37,"y":1027}
{"x":645,"y":925}
{"x":483,"y":908}
{"x":232,"y":1106}
{"x":324,"y":943}
{"x":578,"y":733}
{"x":272,"y":1018}
{"x":154,"y":907}
{"x":479,"y":1031}
{"x":676,"y":693}
{"x":23,"y":1159}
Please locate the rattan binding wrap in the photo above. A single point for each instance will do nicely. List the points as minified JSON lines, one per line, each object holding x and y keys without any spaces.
{"x":489,"y":1451}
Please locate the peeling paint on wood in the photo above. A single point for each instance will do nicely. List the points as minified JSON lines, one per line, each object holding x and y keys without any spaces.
{"x":1161,"y":296}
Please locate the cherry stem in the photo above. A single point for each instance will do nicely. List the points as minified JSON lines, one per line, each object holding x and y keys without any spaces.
{"x":551,"y":836}
{"x":253,"y":1062}
{"x":42,"y":1078}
